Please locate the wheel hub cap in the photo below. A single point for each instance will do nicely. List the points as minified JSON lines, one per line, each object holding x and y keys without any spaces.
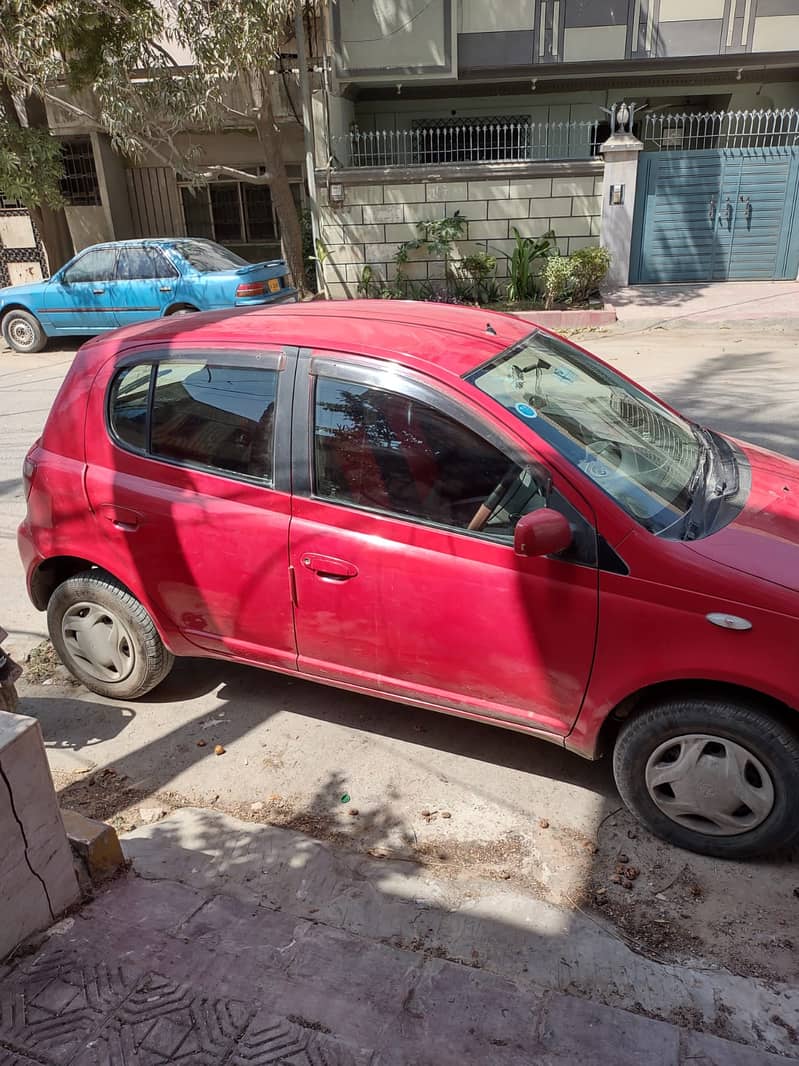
{"x":98,"y":641}
{"x":21,"y":333}
{"x":709,"y":784}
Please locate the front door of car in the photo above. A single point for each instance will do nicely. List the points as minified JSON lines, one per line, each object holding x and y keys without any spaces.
{"x":394,"y":591}
{"x":80,"y":298}
{"x":189,"y":484}
{"x":145,"y":283}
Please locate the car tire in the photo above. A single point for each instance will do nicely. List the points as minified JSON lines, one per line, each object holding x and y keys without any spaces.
{"x":682,"y":767}
{"x":185,"y":310}
{"x":22,"y":331}
{"x":105,"y":637}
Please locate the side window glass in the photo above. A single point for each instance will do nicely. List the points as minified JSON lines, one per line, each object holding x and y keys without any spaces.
{"x":128,"y":407}
{"x":137,"y":262}
{"x":384,"y":451}
{"x":96,"y":265}
{"x":220,"y":417}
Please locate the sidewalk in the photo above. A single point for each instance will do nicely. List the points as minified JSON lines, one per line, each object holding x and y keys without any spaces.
{"x":241,"y":943}
{"x":722,"y":301}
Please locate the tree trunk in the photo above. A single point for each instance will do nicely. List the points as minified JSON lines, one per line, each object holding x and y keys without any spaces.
{"x":290,"y":232}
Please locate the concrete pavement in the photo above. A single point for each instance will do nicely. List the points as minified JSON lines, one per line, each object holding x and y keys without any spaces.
{"x":238,"y":945}
{"x":730,"y":301}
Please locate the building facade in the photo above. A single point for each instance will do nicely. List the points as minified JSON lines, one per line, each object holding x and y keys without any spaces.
{"x":500,"y":112}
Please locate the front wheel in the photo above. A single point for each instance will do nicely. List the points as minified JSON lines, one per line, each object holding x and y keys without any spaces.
{"x":23,"y":332}
{"x":105,"y":637}
{"x":715,"y":777}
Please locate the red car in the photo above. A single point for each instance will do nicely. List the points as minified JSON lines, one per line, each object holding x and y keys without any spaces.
{"x":441,"y":506}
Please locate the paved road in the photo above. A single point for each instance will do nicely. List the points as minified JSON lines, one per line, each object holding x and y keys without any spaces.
{"x":294,"y":749}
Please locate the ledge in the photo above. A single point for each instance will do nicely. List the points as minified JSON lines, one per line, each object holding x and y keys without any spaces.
{"x":578,"y":319}
{"x":462,"y":172}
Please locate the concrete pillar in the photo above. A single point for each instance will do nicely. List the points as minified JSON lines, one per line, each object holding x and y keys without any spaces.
{"x":620,"y":152}
{"x":37,"y":876}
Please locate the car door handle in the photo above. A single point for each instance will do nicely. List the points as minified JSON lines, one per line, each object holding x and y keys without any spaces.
{"x":165,"y":288}
{"x":122,"y":518}
{"x":98,"y":292}
{"x":328,"y":568}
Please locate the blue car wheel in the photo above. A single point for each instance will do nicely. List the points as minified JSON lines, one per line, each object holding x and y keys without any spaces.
{"x":23,"y":332}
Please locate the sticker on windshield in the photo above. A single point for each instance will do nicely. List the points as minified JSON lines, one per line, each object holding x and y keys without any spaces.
{"x":526,"y":411}
{"x":564,"y":373}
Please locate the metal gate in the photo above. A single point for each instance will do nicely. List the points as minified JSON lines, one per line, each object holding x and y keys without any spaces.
{"x":718,"y":210}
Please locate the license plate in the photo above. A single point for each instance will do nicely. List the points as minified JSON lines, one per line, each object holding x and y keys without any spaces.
{"x":274,"y":284}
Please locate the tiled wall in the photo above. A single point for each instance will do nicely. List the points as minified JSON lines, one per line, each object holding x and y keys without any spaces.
{"x":376,"y":218}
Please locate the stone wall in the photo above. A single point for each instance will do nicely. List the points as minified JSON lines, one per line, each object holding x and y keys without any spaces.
{"x":382,"y":209}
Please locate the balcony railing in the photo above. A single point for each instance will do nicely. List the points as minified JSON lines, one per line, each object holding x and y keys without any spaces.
{"x":489,"y":142}
{"x":720,"y":129}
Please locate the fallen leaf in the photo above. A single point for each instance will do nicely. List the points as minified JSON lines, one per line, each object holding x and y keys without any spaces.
{"x":219,"y":750}
{"x":202,"y":743}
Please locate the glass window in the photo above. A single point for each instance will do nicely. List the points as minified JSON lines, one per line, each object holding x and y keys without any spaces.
{"x":258,"y":211}
{"x":95,"y":265}
{"x":220,"y":417}
{"x":79,"y":185}
{"x":140,"y":262}
{"x":129,"y":402}
{"x":197,"y":211}
{"x":226,"y":211}
{"x":643,"y":455}
{"x":384,"y":451}
{"x":207,"y":257}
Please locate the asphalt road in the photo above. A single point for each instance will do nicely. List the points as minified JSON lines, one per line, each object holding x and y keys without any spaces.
{"x":293,"y":749}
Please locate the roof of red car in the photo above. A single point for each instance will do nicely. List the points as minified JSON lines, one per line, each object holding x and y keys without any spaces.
{"x":453,"y":338}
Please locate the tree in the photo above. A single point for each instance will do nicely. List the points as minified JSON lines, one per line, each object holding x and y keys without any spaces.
{"x":115,"y":64}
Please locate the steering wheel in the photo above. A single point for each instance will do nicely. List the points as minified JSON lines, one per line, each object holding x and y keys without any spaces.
{"x":508,"y":491}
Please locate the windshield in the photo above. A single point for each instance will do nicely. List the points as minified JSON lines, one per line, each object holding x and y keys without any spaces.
{"x":206,"y":256}
{"x":643,"y":456}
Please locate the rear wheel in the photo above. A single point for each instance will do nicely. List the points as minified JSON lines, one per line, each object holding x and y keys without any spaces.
{"x":22,"y":331}
{"x":105,"y":637}
{"x":714,"y":777}
{"x":182,"y":309}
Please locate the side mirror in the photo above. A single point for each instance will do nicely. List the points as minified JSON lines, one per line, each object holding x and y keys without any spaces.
{"x":541,"y":532}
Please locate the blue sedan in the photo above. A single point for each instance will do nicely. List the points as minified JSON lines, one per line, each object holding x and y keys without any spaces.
{"x":111,"y":285}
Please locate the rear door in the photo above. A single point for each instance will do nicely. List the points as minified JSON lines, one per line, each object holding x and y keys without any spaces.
{"x":80,"y":298}
{"x":145,"y":283}
{"x":189,"y":486}
{"x":396,"y":589}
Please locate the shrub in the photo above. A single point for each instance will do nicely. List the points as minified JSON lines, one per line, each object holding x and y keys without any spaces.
{"x":527,"y":254}
{"x":558,"y":279}
{"x":589,"y":267}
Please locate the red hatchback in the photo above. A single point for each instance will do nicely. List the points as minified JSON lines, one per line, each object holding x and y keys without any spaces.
{"x":444,"y":507}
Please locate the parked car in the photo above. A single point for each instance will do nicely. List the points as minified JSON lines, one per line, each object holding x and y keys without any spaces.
{"x":112,"y":285}
{"x":445,"y":507}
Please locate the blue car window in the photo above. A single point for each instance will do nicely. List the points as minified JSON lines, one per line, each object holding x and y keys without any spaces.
{"x":139,"y":262}
{"x":95,"y":265}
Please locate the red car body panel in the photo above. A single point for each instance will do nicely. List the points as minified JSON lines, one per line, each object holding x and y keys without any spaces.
{"x":395,"y":608}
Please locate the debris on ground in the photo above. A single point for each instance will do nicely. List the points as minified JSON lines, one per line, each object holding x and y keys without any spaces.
{"x":219,"y":750}
{"x":43,"y":667}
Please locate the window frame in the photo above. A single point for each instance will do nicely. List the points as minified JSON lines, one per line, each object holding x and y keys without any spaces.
{"x":400,"y":380}
{"x":204,"y":192}
{"x":83,"y":255}
{"x":275,"y":360}
{"x":142,"y":246}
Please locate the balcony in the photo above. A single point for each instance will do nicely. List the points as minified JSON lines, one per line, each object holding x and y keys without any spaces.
{"x":463,"y":143}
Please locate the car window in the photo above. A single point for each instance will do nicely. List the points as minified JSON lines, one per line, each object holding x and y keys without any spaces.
{"x":206,"y":256}
{"x":140,"y":262}
{"x":220,"y":417}
{"x":128,"y":407}
{"x":217,"y":417}
{"x":95,"y":265}
{"x":384,"y":451}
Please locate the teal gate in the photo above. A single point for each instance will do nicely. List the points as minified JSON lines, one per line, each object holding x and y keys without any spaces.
{"x":724,"y":205}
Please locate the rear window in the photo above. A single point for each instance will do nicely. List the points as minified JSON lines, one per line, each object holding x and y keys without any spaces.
{"x":206,"y":256}
{"x":200,"y":414}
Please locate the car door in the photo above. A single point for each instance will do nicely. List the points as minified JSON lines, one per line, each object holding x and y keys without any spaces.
{"x":145,"y":283}
{"x":393,"y":591}
{"x":80,"y":299}
{"x":190,"y":503}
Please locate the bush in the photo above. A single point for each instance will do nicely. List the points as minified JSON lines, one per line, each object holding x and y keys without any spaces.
{"x":589,"y":267}
{"x":527,"y":254}
{"x":558,"y":280}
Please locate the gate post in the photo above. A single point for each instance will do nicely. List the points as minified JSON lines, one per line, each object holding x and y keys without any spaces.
{"x":620,"y":152}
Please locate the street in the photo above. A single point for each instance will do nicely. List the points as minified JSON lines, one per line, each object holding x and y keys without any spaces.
{"x":468,"y":804}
